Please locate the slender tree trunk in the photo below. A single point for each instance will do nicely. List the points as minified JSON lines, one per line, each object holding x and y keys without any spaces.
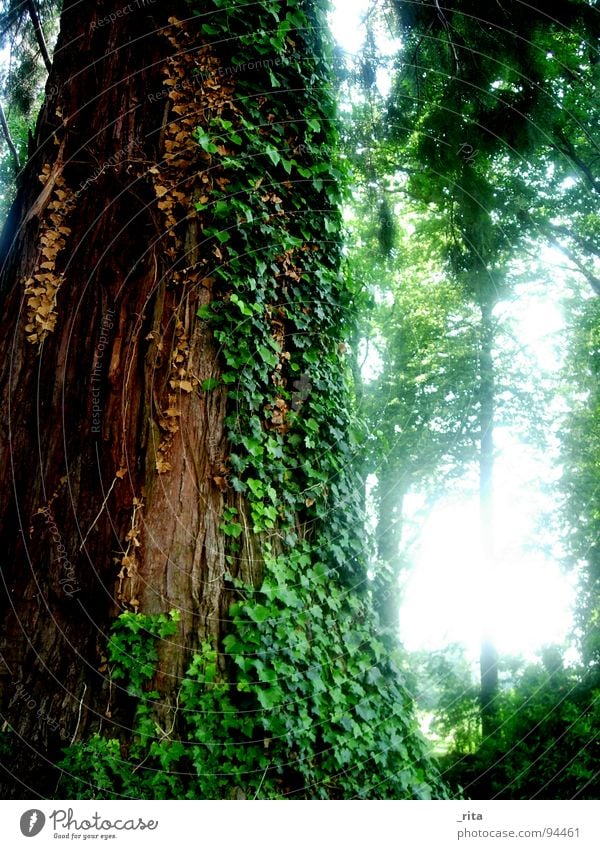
{"x":10,"y":143}
{"x":388,"y":536}
{"x":39,"y":33}
{"x":489,"y":657}
{"x":112,"y":453}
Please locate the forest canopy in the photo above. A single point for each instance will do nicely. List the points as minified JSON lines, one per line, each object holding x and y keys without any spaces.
{"x":300,"y":312}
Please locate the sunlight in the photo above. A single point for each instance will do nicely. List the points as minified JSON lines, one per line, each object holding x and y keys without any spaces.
{"x":346,"y":21}
{"x":345,"y":18}
{"x":442,"y":593}
{"x":533,"y":599}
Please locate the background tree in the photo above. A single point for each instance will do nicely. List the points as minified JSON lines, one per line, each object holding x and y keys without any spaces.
{"x":546,"y":742}
{"x":419,"y":401}
{"x":471,"y":104}
{"x":579,"y":482}
{"x":183,"y":569}
{"x":26,"y":30}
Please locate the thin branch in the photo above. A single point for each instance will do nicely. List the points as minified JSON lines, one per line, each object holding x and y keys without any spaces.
{"x":567,"y":148}
{"x":585,"y":244}
{"x":93,"y":525}
{"x":448,"y":29}
{"x":79,"y":715}
{"x":11,"y":145}
{"x":589,"y":275}
{"x":39,"y":33}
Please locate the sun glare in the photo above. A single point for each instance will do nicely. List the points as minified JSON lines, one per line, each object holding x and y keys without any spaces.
{"x":530,"y":604}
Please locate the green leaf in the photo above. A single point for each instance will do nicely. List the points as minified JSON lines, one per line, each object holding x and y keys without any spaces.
{"x":205,"y":312}
{"x":256,"y":488}
{"x":258,"y":613}
{"x":273,"y":155}
{"x":269,"y":698}
{"x":268,"y":356}
{"x":232,"y":529}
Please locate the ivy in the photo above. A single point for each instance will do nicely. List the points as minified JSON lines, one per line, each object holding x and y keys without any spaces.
{"x":132,"y":647}
{"x":304,"y":697}
{"x":312,"y":705}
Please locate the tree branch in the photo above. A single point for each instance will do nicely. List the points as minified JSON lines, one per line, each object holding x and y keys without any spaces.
{"x":11,"y":145}
{"x":585,"y":244}
{"x":567,"y":148}
{"x":39,"y":34}
{"x":589,"y":275}
{"x":448,"y":29}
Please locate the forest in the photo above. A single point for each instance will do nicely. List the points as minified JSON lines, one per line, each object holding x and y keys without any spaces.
{"x":300,"y":413}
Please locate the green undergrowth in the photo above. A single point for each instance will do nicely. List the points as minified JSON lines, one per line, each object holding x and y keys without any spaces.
{"x":312,"y":706}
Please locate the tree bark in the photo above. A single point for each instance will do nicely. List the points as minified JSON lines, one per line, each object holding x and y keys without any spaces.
{"x":113,"y":453}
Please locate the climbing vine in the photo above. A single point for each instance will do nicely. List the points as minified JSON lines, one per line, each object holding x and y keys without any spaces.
{"x":304,"y":697}
{"x":41,"y":289}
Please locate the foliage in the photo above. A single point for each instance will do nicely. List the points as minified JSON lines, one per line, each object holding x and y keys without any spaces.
{"x":132,"y":646}
{"x":546,"y":742}
{"x":311,"y":706}
{"x":498,"y":106}
{"x":422,"y":407}
{"x":22,"y":76}
{"x":546,"y":745}
{"x":581,"y":467}
{"x":449,"y":698}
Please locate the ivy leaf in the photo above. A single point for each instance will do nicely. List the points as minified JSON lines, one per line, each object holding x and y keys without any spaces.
{"x":256,"y":487}
{"x":273,"y":155}
{"x":268,"y":356}
{"x":241,"y":305}
{"x":204,"y":312}
{"x":258,"y":613}
{"x":269,"y":698}
{"x":233,"y":529}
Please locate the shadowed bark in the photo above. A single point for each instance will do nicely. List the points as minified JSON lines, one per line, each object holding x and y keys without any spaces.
{"x":109,"y":447}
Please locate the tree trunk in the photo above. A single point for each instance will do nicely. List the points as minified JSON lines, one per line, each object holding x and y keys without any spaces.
{"x":114,"y":455}
{"x":489,"y":656}
{"x":389,"y":534}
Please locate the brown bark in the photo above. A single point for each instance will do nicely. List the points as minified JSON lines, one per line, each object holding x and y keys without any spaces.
{"x":109,"y":447}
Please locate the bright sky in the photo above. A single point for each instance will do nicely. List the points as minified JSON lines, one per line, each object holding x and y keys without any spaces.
{"x":532,"y":598}
{"x":345,"y":22}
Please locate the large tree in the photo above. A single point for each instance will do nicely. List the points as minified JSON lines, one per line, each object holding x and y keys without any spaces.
{"x":175,"y":425}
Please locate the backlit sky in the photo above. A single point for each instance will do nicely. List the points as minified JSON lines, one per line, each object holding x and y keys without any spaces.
{"x":442,"y":599}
